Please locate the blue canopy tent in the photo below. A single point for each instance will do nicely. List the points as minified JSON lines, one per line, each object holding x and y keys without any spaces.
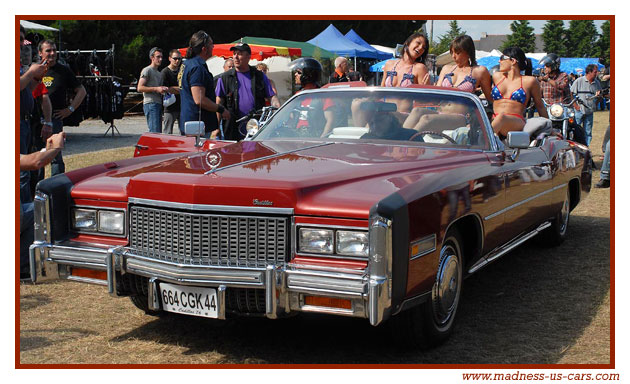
{"x":576,"y":65}
{"x":332,"y":40}
{"x":378,"y":67}
{"x":491,"y":61}
{"x":355,"y":38}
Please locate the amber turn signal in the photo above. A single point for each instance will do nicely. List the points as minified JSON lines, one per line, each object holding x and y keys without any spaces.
{"x":89,"y":273}
{"x":329,"y":302}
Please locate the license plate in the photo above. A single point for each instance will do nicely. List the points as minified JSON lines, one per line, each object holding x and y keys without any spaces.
{"x":186,"y":300}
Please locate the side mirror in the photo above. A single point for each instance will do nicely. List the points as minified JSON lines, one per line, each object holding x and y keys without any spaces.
{"x":518,"y":140}
{"x":195,"y":128}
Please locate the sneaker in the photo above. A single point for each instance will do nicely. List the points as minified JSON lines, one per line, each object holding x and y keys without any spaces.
{"x":603,"y":183}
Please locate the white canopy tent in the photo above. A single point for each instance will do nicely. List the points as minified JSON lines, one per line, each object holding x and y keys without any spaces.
{"x":35,"y":26}
{"x":446,"y":58}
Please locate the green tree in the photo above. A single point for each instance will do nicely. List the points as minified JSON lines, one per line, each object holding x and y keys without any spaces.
{"x":522,"y":36}
{"x":604,"y":42}
{"x":582,"y":39}
{"x":445,"y":40}
{"x":554,"y":37}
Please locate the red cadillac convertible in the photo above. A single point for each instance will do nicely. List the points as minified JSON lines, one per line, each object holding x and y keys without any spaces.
{"x":353,"y":201}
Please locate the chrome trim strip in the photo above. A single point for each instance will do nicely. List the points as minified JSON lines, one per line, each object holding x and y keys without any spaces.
{"x":515,"y":205}
{"x":221,"y":301}
{"x":263,"y":158}
{"x":270,"y":292}
{"x":87,"y":280}
{"x":153,"y":295}
{"x":334,"y":311}
{"x":214,"y":208}
{"x":194,"y":274}
{"x":507,"y":247}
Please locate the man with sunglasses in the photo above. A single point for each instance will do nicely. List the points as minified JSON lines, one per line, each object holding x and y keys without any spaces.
{"x":169,"y":79}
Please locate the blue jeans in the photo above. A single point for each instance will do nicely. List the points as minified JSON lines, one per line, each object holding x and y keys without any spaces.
{"x":153,"y":112}
{"x":27,"y":234}
{"x":57,"y":166}
{"x":25,"y":176}
{"x":605,"y":173}
{"x":585,"y":120}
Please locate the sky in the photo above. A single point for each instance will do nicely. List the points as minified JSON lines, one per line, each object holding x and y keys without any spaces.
{"x":474,"y":28}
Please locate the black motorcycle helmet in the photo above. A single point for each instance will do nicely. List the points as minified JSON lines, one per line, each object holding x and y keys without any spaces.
{"x":551,"y":60}
{"x":311,"y":70}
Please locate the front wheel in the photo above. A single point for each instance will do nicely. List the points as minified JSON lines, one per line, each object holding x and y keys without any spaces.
{"x":432,"y":323}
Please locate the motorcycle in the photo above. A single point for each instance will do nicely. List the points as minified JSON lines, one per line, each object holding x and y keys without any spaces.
{"x":562,"y":118}
{"x":256,"y":120}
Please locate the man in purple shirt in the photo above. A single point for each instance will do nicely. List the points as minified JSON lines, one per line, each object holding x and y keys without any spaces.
{"x":241,"y":90}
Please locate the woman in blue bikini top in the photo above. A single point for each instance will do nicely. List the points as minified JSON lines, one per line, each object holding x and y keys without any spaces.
{"x":409,"y":69}
{"x":509,"y":110}
{"x":465,"y":75}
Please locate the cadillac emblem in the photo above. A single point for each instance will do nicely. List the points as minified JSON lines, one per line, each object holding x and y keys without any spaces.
{"x":213,"y":160}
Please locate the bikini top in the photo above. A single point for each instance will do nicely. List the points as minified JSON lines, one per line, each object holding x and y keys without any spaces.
{"x":468,"y":84}
{"x":518,"y":95}
{"x":408,"y":77}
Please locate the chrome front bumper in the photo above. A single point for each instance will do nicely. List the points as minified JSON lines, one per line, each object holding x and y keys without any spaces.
{"x":285,"y":286}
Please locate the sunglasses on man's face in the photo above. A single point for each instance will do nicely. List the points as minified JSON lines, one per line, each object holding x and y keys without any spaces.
{"x":176,"y":58}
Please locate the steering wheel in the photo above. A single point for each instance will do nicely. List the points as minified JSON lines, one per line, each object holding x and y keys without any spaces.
{"x":422,"y":133}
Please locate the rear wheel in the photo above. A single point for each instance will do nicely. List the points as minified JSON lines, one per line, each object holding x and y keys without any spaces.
{"x":556,"y":234}
{"x":432,"y":323}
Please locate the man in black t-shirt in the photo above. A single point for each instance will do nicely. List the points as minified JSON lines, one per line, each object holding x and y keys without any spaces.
{"x":58,"y":80}
{"x":169,"y":79}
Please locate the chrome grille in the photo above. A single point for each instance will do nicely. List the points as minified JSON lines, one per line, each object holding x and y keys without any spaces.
{"x":208,"y":239}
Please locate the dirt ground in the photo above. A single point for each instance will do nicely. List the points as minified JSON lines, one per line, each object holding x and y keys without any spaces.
{"x":534,"y":306}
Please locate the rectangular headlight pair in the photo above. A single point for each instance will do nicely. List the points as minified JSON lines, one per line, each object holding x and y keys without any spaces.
{"x":333,"y":241}
{"x":98,"y":220}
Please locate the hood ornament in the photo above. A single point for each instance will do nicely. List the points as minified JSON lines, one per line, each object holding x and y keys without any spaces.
{"x":213,"y":159}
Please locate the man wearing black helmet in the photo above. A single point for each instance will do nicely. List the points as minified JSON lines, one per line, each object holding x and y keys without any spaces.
{"x":241,"y":90}
{"x":553,"y":83}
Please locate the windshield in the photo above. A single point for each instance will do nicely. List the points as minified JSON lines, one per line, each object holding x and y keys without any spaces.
{"x":433,"y":118}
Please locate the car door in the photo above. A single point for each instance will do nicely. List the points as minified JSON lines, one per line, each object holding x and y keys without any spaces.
{"x":528,"y":187}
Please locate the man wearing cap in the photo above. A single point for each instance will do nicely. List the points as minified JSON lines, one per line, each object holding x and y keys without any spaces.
{"x":150,"y":84}
{"x":241,"y":90}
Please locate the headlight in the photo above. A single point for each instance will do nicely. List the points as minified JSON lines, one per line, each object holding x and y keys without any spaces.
{"x":252,"y":127}
{"x":556,"y":110}
{"x":340,"y":242}
{"x":352,"y":243}
{"x":111,"y":222}
{"x":84,"y":219}
{"x":98,"y":220}
{"x":316,"y":240}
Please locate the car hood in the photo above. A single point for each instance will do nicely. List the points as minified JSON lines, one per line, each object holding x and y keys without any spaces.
{"x":313,"y":178}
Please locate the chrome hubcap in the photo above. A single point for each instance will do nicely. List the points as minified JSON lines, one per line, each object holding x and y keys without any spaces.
{"x":447,"y":287}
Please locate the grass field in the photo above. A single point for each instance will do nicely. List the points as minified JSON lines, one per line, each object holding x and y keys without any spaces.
{"x":534,"y":306}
